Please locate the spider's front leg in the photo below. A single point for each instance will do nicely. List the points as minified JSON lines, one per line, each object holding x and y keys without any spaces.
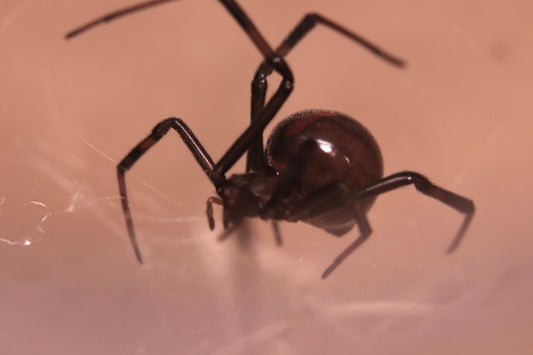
{"x":202,"y":157}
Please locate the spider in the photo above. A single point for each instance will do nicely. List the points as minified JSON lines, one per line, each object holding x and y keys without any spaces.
{"x":320,"y":167}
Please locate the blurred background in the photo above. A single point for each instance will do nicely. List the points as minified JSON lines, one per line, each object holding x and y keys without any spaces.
{"x":460,"y":113}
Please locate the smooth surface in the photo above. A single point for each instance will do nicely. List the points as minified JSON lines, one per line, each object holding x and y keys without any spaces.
{"x":460,"y":113}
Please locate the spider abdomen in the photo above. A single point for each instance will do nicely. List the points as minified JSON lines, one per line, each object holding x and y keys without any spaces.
{"x":346,"y":151}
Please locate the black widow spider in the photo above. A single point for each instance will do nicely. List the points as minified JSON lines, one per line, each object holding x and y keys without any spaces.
{"x":320,"y":167}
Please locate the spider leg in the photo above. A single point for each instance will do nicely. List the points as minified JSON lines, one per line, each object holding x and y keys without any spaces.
{"x":334,"y":196}
{"x":255,"y":159}
{"x":338,"y":195}
{"x":422,"y":184}
{"x":231,"y":5}
{"x":238,"y":14}
{"x":364,"y":228}
{"x":311,"y":20}
{"x":140,"y":149}
{"x":229,"y":230}
{"x":261,"y":116}
{"x":209,"y":210}
{"x":277,"y":232}
{"x":113,"y":16}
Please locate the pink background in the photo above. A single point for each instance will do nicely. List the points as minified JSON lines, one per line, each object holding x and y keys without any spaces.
{"x":461,"y":113}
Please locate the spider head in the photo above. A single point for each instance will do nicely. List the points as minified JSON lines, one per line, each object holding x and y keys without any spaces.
{"x":240,"y":199}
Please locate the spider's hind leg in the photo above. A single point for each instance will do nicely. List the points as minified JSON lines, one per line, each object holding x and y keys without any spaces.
{"x":337,"y":196}
{"x":422,"y":184}
{"x":277,"y":232}
{"x":364,"y":229}
{"x":340,"y":195}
